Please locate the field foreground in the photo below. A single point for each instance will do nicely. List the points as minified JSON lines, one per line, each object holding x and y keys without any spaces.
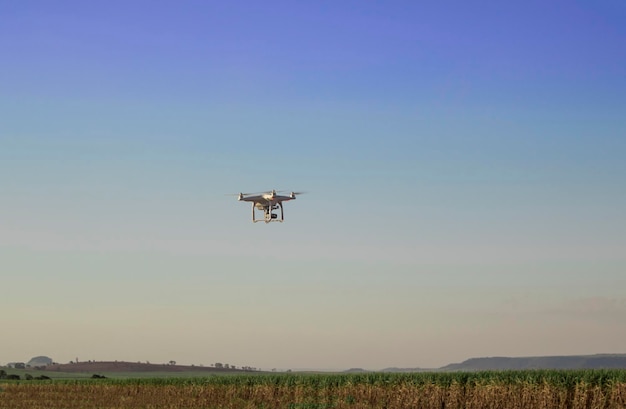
{"x":513,"y":389}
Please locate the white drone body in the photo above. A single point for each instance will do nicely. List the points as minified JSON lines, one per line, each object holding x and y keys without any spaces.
{"x":267,"y":202}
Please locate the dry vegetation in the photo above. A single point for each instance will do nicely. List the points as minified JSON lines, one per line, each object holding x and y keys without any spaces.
{"x":525,"y":389}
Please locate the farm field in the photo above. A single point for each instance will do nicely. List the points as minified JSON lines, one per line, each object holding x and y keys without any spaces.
{"x":508,"y":389}
{"x":119,"y":370}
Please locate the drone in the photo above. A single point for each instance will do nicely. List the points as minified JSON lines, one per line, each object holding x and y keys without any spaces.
{"x":267,"y":202}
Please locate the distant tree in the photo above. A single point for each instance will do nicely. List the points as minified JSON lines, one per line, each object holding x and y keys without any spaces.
{"x":28,"y":377}
{"x":172,"y":362}
{"x":39,"y":361}
{"x":219,"y":365}
{"x":3,"y":374}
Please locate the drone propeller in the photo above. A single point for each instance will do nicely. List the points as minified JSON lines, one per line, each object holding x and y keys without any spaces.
{"x":241,"y":194}
{"x":272,"y":192}
{"x":269,"y":192}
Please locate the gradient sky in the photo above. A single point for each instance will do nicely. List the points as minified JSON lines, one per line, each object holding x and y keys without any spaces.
{"x":464,"y":163}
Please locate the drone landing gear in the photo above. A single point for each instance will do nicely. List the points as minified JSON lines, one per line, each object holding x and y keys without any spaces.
{"x":268,"y":215}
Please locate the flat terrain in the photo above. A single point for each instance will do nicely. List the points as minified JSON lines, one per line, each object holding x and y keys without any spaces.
{"x":121,"y":369}
{"x":122,"y":366}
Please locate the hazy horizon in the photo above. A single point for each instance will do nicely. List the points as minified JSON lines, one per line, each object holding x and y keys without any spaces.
{"x":464,"y":167}
{"x":303,"y":369}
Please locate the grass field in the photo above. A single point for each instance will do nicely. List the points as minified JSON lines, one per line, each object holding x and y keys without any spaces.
{"x":508,"y":389}
{"x":55,"y":375}
{"x":121,"y":374}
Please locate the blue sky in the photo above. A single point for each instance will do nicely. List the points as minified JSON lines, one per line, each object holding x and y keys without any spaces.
{"x":464,"y":165}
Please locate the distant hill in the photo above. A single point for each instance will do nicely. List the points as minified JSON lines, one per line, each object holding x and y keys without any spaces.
{"x":600,"y":361}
